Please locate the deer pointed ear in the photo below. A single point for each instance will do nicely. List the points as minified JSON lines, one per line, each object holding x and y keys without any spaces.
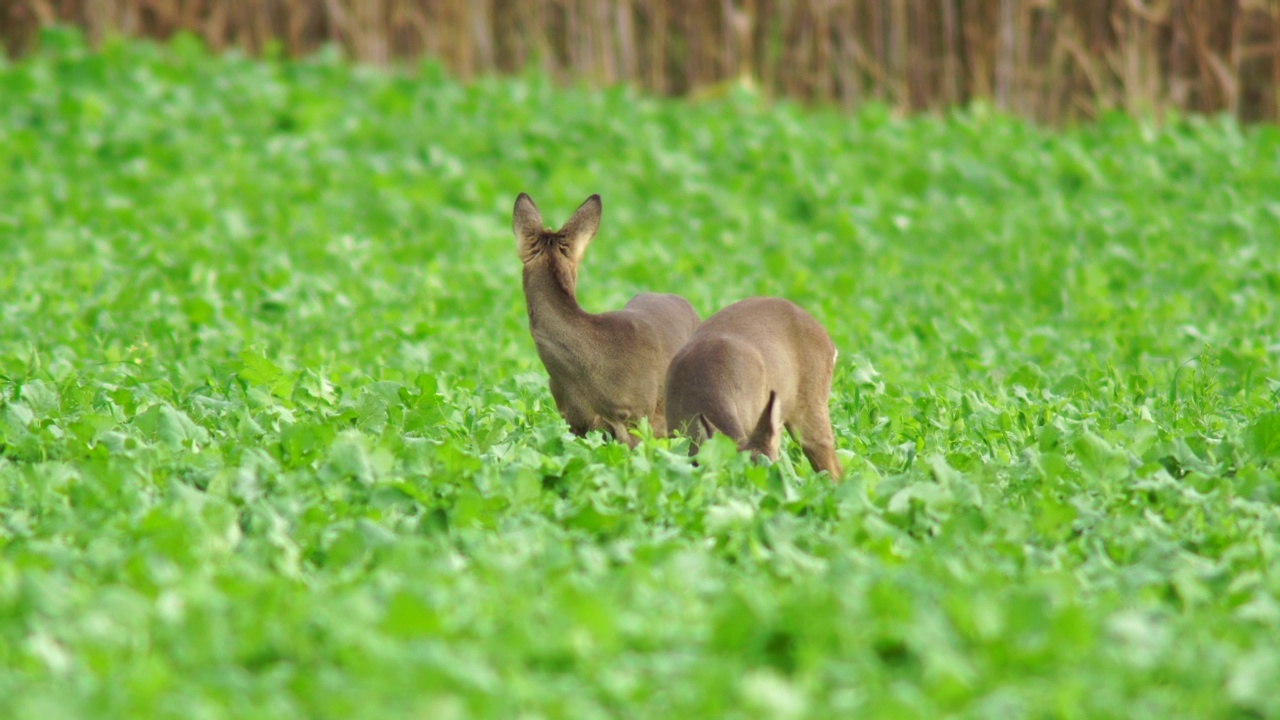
{"x":582,"y":226}
{"x":526,"y":223}
{"x":766,"y":439}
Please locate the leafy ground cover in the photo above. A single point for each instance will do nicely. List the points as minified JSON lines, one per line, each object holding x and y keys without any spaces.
{"x":274,"y":441}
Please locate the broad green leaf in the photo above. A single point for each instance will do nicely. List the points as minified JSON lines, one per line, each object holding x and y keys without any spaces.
{"x":1098,"y":459}
{"x":276,"y":439}
{"x":1263,"y":436}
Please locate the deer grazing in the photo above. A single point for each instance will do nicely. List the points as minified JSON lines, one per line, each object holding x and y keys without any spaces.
{"x":754,"y":367}
{"x":608,"y":370}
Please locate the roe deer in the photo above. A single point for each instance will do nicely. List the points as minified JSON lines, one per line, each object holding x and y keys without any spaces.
{"x":756,"y":365}
{"x":608,"y":370}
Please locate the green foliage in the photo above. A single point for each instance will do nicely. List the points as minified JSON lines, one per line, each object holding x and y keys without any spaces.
{"x":274,"y":441}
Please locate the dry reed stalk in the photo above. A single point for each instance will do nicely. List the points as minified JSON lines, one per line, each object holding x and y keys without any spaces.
{"x":1052,"y":60}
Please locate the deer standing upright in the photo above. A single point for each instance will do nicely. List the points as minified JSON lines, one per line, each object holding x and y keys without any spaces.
{"x":608,"y":370}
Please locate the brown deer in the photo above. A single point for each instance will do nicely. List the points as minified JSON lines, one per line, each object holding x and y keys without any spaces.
{"x":750,"y":369}
{"x":607,"y":370}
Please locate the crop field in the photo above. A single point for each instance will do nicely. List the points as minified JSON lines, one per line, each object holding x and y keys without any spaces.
{"x":275,"y":442}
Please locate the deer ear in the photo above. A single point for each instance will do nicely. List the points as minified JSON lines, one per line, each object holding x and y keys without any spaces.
{"x":526,"y":223}
{"x":766,"y":439}
{"x":582,"y":226}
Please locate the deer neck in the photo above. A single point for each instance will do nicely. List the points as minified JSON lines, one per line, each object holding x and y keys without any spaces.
{"x":555,"y":318}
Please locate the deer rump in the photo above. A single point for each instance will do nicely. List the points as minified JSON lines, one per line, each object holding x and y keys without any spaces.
{"x":751,"y":369}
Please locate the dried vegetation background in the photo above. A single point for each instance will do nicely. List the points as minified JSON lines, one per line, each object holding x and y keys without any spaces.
{"x":1052,"y":60}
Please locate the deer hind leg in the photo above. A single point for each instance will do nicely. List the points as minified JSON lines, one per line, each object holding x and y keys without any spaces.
{"x":620,"y":432}
{"x":703,"y":425}
{"x":817,"y":441}
{"x":823,"y":457}
{"x":658,"y":423}
{"x":658,"y":418}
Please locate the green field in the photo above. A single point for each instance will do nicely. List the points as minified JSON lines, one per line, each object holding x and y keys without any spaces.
{"x":275,"y":442}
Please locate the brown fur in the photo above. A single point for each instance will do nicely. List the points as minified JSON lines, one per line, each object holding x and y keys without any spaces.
{"x":607,"y":370}
{"x":756,"y":365}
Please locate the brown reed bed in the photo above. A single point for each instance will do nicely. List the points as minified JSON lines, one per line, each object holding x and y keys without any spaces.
{"x":1051,"y":60}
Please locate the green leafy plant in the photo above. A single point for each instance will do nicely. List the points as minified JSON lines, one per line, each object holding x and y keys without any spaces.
{"x":274,"y":441}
